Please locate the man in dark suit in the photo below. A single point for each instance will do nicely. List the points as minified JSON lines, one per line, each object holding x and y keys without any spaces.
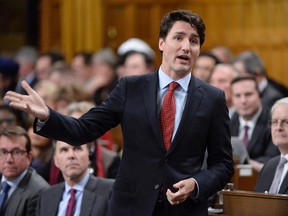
{"x":251,"y":113}
{"x":152,"y":180}
{"x":279,"y":131}
{"x":92,"y":194}
{"x":250,"y":63}
{"x":25,"y":184}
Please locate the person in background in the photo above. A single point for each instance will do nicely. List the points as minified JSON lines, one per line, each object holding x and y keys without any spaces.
{"x":104,"y":77}
{"x":160,"y":171}
{"x":44,"y":63}
{"x":279,"y":131}
{"x":136,"y":63}
{"x":250,"y":121}
{"x":81,"y":64}
{"x":20,"y":184}
{"x":8,"y":76}
{"x":249,"y":63}
{"x":10,"y":117}
{"x":26,"y":58}
{"x":221,"y":77}
{"x":204,"y":65}
{"x":90,"y":194}
{"x":223,"y":53}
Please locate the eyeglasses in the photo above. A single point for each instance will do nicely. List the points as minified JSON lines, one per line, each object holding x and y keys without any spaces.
{"x":7,"y":120}
{"x":283,"y":123}
{"x":15,"y":153}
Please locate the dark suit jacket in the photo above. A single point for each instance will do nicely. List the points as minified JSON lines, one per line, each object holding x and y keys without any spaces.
{"x":145,"y":168}
{"x":94,"y":202}
{"x":270,"y":95}
{"x":260,"y":146}
{"x":266,"y":176}
{"x":23,"y":200}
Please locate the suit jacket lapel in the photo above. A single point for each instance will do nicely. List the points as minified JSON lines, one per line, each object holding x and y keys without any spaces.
{"x":18,"y":194}
{"x":89,"y":197}
{"x":55,"y":199}
{"x":259,"y":127}
{"x":194,"y":99}
{"x":151,"y":106}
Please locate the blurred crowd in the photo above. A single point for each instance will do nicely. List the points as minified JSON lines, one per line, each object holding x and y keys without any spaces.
{"x":72,"y":88}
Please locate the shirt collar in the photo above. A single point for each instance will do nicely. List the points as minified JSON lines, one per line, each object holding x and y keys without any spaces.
{"x":165,"y":80}
{"x":251,"y":123}
{"x":80,"y":185}
{"x":14,"y":182}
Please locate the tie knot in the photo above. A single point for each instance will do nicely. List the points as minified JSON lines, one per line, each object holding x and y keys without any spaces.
{"x":72,"y":192}
{"x":246,"y":127}
{"x":5,"y":187}
{"x":173,"y":86}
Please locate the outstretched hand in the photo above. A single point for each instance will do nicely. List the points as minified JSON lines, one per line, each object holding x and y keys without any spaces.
{"x":31,"y":103}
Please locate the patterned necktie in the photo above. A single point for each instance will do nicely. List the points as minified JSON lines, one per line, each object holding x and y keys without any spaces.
{"x":277,"y":178}
{"x":71,"y":204}
{"x":167,"y":115}
{"x":246,"y":136}
{"x":3,"y":196}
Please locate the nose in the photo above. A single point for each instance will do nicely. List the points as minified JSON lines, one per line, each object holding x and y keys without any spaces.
{"x":186,"y":45}
{"x":9,"y":157}
{"x":71,"y":153}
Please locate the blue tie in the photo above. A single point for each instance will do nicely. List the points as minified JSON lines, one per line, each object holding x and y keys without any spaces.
{"x":3,"y":196}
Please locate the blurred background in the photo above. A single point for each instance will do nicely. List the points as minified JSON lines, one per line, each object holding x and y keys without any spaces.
{"x":69,"y":26}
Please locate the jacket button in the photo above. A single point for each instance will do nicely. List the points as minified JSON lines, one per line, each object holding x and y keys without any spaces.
{"x":156,"y":187}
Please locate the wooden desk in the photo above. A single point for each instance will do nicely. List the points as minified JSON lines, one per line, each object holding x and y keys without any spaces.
{"x":242,"y":203}
{"x":245,"y":177}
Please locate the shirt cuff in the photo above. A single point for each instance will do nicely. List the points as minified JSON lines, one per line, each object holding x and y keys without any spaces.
{"x":195,"y":193}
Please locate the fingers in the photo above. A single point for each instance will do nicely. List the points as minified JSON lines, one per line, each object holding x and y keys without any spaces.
{"x":27,"y":87}
{"x":184,"y":191}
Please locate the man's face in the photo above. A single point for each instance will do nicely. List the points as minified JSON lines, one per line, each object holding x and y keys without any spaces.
{"x":135,"y":65}
{"x":279,"y":130}
{"x":203,"y":67}
{"x":221,"y":78}
{"x":73,"y":161}
{"x":42,"y":67}
{"x":13,"y":166}
{"x":180,"y":49}
{"x":246,"y":98}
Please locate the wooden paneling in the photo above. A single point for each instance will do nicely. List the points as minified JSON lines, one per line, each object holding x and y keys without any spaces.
{"x":258,"y":25}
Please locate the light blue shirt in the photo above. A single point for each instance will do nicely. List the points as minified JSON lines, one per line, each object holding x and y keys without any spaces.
{"x":79,"y":187}
{"x":180,"y":95}
{"x":13,"y":183}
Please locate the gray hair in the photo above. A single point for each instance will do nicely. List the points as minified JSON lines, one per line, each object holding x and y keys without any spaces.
{"x":280,"y":101}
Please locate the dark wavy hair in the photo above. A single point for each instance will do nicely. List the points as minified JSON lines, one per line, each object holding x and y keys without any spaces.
{"x":186,"y":16}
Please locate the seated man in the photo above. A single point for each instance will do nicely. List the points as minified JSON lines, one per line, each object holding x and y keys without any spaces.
{"x":268,"y":180}
{"x":20,"y":184}
{"x":90,"y":194}
{"x":250,"y":121}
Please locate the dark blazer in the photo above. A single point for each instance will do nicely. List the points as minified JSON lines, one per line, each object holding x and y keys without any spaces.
{"x":266,"y":176}
{"x":270,"y":95}
{"x":23,"y":200}
{"x":145,"y":167}
{"x":260,"y":146}
{"x":94,"y":202}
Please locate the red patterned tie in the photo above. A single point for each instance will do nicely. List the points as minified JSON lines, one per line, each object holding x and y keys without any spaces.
{"x":167,"y":115}
{"x":71,"y":204}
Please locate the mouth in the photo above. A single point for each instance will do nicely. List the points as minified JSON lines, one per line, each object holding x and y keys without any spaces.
{"x":183,"y":58}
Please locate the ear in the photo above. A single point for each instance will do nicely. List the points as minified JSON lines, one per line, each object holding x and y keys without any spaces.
{"x":161,"y":43}
{"x":56,"y":162}
{"x":30,"y":158}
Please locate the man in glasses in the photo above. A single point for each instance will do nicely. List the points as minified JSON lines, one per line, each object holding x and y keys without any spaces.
{"x":273,"y":177}
{"x":20,"y":184}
